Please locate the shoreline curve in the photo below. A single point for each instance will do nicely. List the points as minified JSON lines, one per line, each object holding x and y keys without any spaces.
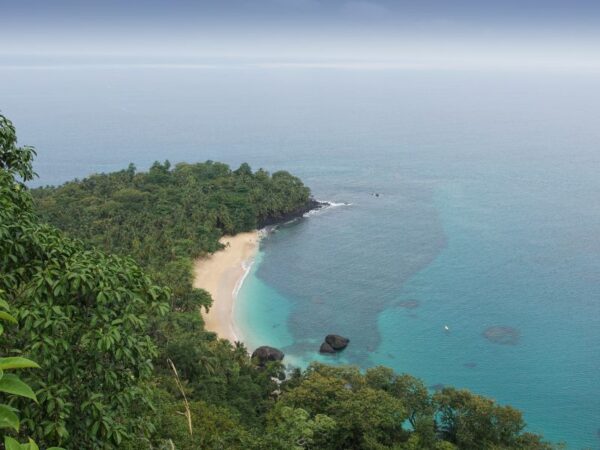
{"x":222,"y":275}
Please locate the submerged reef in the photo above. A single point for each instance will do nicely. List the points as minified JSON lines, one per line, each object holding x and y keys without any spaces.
{"x":409,"y":304}
{"x":502,"y":335}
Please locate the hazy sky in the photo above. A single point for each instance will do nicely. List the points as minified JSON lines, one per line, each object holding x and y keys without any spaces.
{"x":402,"y":32}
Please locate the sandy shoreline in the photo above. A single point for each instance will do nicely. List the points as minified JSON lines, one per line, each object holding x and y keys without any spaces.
{"x":221,"y":274}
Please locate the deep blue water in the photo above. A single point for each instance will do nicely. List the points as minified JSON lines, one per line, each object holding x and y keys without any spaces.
{"x":488,"y":214}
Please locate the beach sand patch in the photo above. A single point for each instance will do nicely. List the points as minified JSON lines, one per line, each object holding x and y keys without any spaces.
{"x":221,"y":274}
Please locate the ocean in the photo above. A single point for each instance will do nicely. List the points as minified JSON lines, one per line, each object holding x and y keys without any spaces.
{"x":477,"y":264}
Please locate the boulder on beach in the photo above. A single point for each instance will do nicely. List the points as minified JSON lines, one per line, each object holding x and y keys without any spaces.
{"x":336,"y":341}
{"x":267,"y":354}
{"x":326,"y":348}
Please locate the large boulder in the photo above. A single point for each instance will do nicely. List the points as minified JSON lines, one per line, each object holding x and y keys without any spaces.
{"x":336,"y":341}
{"x":326,"y":348}
{"x":266,"y":354}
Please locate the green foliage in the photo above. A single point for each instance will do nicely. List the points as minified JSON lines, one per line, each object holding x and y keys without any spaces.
{"x":15,"y":161}
{"x":215,"y":370}
{"x":293,"y":428}
{"x":10,"y":383}
{"x":214,"y":427}
{"x":84,"y":318}
{"x":411,"y":390}
{"x":365,"y":417}
{"x":370,"y":411}
{"x":12,"y":444}
{"x":166,"y":217}
{"x":474,"y":422}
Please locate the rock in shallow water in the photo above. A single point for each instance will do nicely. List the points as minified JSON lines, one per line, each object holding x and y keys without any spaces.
{"x":326,"y":348}
{"x":336,"y":341}
{"x":266,"y":354}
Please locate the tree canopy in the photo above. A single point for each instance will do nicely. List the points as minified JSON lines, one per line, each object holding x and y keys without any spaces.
{"x":84,"y":318}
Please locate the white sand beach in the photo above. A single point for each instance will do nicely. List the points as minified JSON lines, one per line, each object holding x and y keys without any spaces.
{"x":220,"y":274}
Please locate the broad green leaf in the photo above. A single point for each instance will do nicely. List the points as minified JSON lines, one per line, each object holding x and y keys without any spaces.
{"x":8,"y":418}
{"x":6,"y":316}
{"x":12,"y":384}
{"x":11,"y":444}
{"x":16,"y":362}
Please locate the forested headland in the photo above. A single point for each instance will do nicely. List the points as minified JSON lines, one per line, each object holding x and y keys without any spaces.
{"x":103,"y":326}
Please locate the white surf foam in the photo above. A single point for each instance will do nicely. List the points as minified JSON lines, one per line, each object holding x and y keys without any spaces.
{"x":328,"y":206}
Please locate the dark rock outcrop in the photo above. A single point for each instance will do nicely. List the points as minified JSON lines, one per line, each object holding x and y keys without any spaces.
{"x":326,"y":348}
{"x":310,"y":205}
{"x":337,"y":342}
{"x":266,"y":354}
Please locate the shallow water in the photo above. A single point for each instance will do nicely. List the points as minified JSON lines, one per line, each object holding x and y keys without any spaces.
{"x":487,"y":216}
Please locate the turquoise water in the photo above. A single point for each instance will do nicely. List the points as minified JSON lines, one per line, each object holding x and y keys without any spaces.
{"x":488,"y":212}
{"x":258,"y":306}
{"x":492,"y":259}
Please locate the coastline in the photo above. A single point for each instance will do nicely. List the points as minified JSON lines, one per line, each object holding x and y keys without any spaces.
{"x":222,"y":274}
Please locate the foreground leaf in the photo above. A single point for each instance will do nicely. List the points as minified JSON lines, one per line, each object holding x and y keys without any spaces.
{"x":16,"y":362}
{"x":8,"y":418}
{"x":12,"y":384}
{"x":11,"y":444}
{"x":8,"y":317}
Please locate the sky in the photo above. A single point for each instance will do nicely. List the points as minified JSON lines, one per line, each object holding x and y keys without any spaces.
{"x":380,"y":33}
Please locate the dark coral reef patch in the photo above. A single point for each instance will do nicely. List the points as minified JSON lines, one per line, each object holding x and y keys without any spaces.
{"x":502,"y":335}
{"x":409,"y":304}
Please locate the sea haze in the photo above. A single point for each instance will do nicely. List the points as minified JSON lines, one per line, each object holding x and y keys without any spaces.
{"x":487,"y":219}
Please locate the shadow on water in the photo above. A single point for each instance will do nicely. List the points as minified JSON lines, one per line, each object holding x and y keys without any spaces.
{"x":340,"y":272}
